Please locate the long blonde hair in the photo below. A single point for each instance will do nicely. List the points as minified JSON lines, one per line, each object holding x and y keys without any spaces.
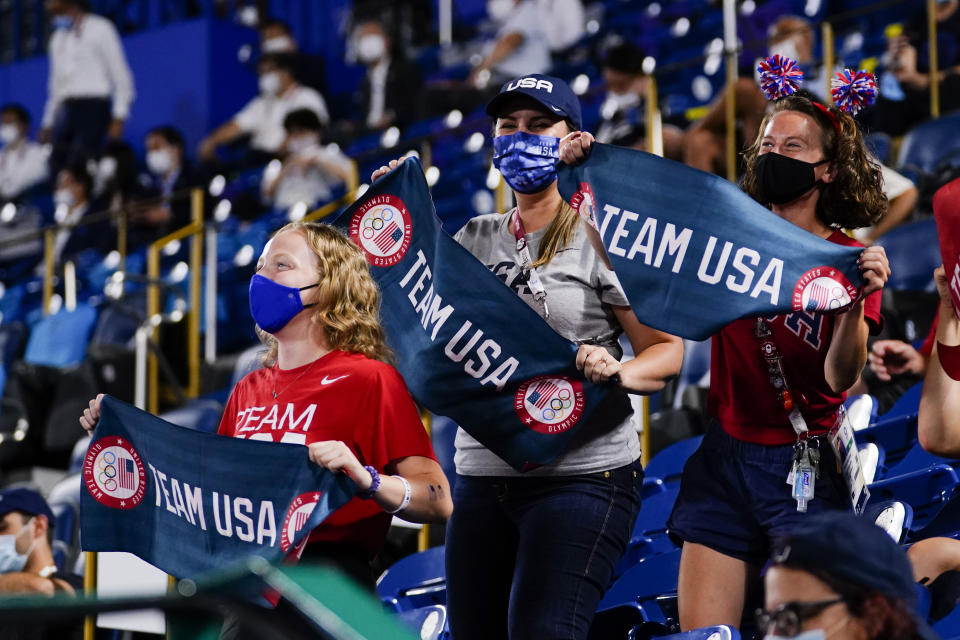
{"x":348,"y":299}
{"x":559,"y":234}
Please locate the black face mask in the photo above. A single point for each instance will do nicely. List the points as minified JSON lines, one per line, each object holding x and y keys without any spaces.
{"x":781,"y":179}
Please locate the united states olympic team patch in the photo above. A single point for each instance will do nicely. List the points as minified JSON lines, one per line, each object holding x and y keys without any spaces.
{"x":382,"y":227}
{"x":113,"y":473}
{"x":549,"y":404}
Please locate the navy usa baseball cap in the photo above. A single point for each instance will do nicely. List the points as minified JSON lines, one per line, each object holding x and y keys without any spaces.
{"x":553,"y":93}
{"x":24,"y":501}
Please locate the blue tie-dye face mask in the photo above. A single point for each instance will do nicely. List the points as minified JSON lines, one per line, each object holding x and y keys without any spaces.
{"x":527,"y":161}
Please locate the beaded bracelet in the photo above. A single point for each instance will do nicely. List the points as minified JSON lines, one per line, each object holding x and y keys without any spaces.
{"x":374,"y":485}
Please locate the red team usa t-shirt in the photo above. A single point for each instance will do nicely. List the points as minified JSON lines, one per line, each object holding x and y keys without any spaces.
{"x":345,"y":396}
{"x":741,"y":397}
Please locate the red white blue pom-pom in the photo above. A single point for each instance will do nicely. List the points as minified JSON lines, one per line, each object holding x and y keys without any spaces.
{"x":779,"y":77}
{"x":853,"y":90}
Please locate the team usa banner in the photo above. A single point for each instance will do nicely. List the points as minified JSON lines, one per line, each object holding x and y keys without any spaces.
{"x":466,"y":345}
{"x":693,"y":252}
{"x":189,"y":502}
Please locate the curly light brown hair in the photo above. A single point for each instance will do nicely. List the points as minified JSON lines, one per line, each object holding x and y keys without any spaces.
{"x":854,"y":198}
{"x":348,"y":299}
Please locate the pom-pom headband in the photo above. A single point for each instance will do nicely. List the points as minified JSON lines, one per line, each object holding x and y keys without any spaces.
{"x":851,"y":90}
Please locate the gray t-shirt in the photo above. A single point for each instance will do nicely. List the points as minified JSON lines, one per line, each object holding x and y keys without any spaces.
{"x":580,"y":291}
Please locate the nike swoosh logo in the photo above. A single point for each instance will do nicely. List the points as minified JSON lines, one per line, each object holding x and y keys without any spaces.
{"x":556,"y":109}
{"x":327,"y":380}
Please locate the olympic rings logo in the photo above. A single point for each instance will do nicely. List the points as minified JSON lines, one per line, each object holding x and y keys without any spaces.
{"x":108,"y":470}
{"x":557,"y":406}
{"x":837,"y":297}
{"x":376,"y":221}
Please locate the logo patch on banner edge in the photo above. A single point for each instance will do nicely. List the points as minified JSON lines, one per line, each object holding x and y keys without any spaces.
{"x":570,"y":413}
{"x":813,"y":280}
{"x":96,"y":485}
{"x":308,"y":499}
{"x":366,"y":237}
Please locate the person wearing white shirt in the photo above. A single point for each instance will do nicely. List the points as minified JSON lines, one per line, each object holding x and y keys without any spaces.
{"x":521,"y":46}
{"x":310,"y":170}
{"x":23,"y":163}
{"x":262,"y":117}
{"x":90,"y":86}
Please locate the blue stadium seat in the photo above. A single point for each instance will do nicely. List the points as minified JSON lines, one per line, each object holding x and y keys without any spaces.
{"x":897,"y":435}
{"x":926,"y":490}
{"x":906,"y":404}
{"x":930,"y":143}
{"x":913,"y":252}
{"x":78,"y":454}
{"x":419,"y":580}
{"x":668,"y":463}
{"x":60,"y":340}
{"x":427,"y":623}
{"x":949,"y":626}
{"x":624,"y":604}
{"x":64,"y":501}
{"x":893,"y":516}
{"x":12,"y":337}
{"x":918,"y":458}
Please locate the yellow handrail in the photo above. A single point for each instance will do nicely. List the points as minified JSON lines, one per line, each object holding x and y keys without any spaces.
{"x":331,"y":207}
{"x":49,"y":242}
{"x":934,"y":62}
{"x":652,"y":116}
{"x":423,"y":536}
{"x":826,"y":33}
{"x":195,"y":229}
{"x":731,"y":116}
{"x":89,"y":589}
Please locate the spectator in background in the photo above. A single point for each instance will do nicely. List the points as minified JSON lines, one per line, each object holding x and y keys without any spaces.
{"x":310,"y":170}
{"x":904,"y":98}
{"x":563,"y":22}
{"x":521,"y":46}
{"x":26,"y":557}
{"x":90,"y":88}
{"x":276,"y":37}
{"x":939,"y":420}
{"x":903,"y":196}
{"x":23,"y":163}
{"x":115,"y":182}
{"x":26,"y":563}
{"x":262,"y":117}
{"x":622,"y":115}
{"x":844,"y":577}
{"x":72,"y":199}
{"x":704,"y":141}
{"x":392,"y":88}
{"x":167,"y":183}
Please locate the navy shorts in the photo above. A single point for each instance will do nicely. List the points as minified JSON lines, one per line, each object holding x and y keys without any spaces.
{"x":734,"y":497}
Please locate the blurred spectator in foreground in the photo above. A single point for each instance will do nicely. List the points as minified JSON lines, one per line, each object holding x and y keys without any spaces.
{"x":90,"y":88}
{"x":23,"y":162}
{"x":904,"y":98}
{"x":844,"y":577}
{"x":521,"y":46}
{"x":392,"y":88}
{"x":72,"y":198}
{"x":26,"y":563}
{"x":276,"y":37}
{"x":262,"y":117}
{"x":939,"y":419}
{"x":310,"y":170}
{"x":166,"y":187}
{"x":623,"y":115}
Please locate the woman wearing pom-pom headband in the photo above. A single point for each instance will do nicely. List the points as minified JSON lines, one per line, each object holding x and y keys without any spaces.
{"x":810,"y":166}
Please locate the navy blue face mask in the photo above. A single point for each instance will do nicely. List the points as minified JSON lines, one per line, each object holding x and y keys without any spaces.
{"x":273,"y":305}
{"x":527,"y":161}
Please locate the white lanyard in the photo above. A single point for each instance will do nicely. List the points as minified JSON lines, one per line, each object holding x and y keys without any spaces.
{"x":530,"y":273}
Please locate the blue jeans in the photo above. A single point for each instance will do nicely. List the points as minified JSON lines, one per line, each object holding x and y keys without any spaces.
{"x":531,"y":557}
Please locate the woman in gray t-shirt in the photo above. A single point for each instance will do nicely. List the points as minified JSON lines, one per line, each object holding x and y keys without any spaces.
{"x":530,"y":555}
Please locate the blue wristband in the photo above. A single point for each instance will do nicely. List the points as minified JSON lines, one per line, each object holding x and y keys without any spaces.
{"x":374,"y":487}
